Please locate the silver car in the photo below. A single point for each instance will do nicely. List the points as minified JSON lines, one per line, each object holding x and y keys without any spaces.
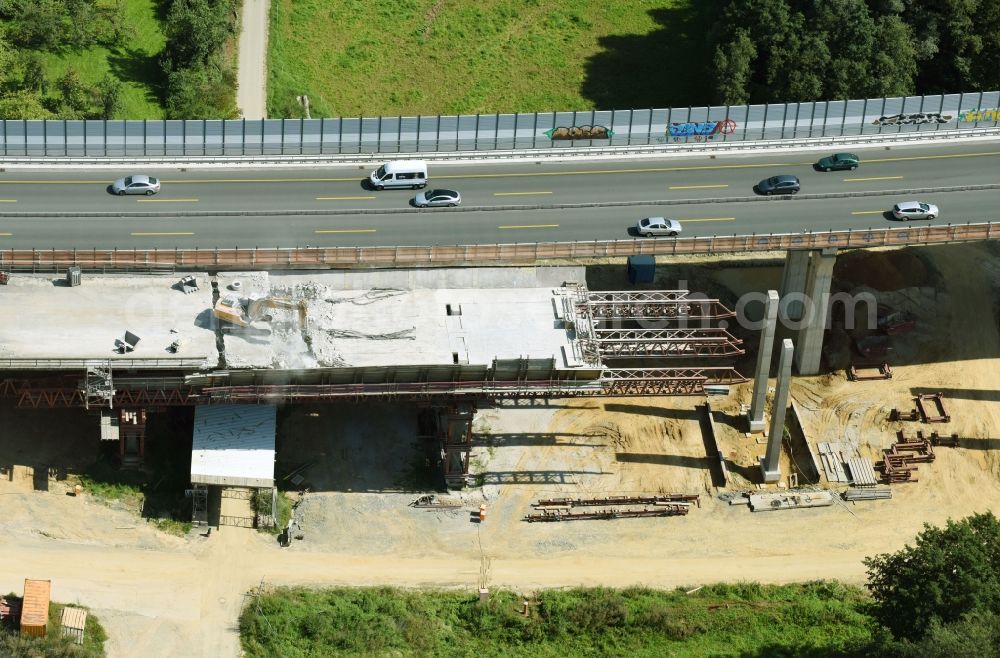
{"x":914,"y":210}
{"x":658,"y":226}
{"x":430,"y":198}
{"x":135,"y":185}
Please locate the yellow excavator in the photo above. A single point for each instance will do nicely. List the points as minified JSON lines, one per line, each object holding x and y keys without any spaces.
{"x":243,"y":312}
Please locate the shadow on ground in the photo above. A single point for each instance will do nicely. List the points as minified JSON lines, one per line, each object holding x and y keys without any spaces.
{"x":669,"y":67}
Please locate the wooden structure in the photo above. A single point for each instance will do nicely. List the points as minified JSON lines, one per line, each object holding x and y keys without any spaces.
{"x":73,"y":620}
{"x":35,"y":607}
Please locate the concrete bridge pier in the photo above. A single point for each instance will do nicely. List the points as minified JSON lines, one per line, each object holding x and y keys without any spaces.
{"x":806,"y":302}
{"x":770,"y":469}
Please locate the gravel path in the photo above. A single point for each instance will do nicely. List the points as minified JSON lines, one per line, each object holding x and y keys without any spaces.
{"x":251,"y":96}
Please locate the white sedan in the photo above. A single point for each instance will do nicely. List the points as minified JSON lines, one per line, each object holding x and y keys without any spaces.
{"x":135,"y":185}
{"x":914,"y":210}
{"x":658,"y":226}
{"x":436,"y":198}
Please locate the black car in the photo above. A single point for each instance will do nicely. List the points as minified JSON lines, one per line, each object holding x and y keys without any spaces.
{"x":779,"y":185}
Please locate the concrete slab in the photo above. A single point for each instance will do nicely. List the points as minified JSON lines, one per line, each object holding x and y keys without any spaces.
{"x":401,"y":317}
{"x":43,"y":318}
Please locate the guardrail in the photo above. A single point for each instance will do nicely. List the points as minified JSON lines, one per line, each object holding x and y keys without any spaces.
{"x":555,"y":152}
{"x":149,"y":260}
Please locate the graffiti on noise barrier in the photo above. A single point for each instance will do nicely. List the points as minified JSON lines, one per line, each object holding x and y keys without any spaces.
{"x":701,"y":130}
{"x":580,"y":132}
{"x":919,"y":117}
{"x":989,"y":114}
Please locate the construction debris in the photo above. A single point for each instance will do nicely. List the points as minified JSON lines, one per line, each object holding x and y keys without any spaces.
{"x":188,"y":285}
{"x":563,"y":514}
{"x":881,"y":371}
{"x":937,"y":400}
{"x":433,"y":501}
{"x":619,"y":500}
{"x":769,"y":502}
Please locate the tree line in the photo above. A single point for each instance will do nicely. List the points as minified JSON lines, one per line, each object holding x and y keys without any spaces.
{"x":801,"y":50}
{"x":198,"y":82}
{"x":26,"y":91}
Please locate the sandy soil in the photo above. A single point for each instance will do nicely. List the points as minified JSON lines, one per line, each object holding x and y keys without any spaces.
{"x":164,"y":596}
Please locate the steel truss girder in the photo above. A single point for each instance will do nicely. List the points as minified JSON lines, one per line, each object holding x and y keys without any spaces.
{"x":612,"y":343}
{"x":67,"y":397}
{"x":686,"y":309}
{"x":673,"y":381}
{"x":631,"y":296}
{"x":609,"y":349}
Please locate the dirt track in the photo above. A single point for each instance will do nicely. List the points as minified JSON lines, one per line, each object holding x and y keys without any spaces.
{"x":164,"y":596}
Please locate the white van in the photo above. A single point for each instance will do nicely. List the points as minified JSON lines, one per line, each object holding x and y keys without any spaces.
{"x":400,"y":173}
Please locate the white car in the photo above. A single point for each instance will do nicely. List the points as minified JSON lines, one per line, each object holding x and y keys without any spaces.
{"x":434,"y":198}
{"x":658,"y":226}
{"x":135,"y":185}
{"x":914,"y":210}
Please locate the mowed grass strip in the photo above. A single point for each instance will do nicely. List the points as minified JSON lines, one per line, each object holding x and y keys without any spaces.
{"x":431,"y":57}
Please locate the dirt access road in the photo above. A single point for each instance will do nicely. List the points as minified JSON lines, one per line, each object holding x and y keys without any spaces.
{"x":251,"y":92}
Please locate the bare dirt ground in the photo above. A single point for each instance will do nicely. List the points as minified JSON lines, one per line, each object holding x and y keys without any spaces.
{"x":166,"y":596}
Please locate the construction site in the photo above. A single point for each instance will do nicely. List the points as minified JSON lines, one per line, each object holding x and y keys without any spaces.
{"x":424,"y":420}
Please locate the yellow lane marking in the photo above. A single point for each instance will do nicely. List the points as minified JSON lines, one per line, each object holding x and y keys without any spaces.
{"x":348,"y":230}
{"x":513,"y":175}
{"x":343,"y":198}
{"x":518,"y":193}
{"x":867,"y":212}
{"x":6,"y":235}
{"x":190,"y":180}
{"x":694,"y":187}
{"x":710,"y":219}
{"x":858,"y":180}
{"x":8,"y":200}
{"x":529,"y":226}
{"x":155,"y":234}
{"x":934,"y":157}
{"x":166,"y":200}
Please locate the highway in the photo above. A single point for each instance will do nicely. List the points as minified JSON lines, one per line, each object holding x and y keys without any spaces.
{"x":330,"y":206}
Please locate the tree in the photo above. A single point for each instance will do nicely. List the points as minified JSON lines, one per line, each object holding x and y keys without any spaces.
{"x":73,"y":93}
{"x":40,"y":23}
{"x":23,"y":104}
{"x":196,"y":30}
{"x":109,"y":96}
{"x":733,"y":64}
{"x":34,"y":74}
{"x":950,"y":572}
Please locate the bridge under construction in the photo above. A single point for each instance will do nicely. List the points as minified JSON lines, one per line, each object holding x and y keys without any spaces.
{"x":447,"y":340}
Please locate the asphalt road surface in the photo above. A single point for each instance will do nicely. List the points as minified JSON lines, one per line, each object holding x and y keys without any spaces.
{"x":501,"y":203}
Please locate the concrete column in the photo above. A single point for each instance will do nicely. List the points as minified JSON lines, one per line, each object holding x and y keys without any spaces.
{"x":769,"y":467}
{"x":810,"y":339}
{"x":793,"y":283}
{"x":756,"y":414}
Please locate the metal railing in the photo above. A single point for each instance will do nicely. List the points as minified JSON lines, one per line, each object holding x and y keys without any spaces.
{"x":108,"y":260}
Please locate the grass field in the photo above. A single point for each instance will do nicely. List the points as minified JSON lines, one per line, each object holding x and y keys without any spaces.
{"x":353,"y":57}
{"x":746,"y":620}
{"x":135,"y":64}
